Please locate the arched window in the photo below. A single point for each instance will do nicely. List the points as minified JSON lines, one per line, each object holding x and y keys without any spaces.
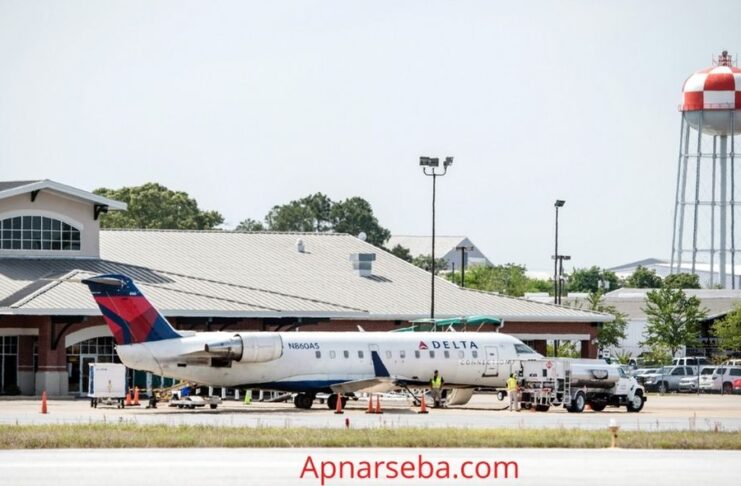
{"x":38,"y":233}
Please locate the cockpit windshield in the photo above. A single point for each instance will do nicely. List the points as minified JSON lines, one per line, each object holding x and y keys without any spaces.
{"x":524,"y":349}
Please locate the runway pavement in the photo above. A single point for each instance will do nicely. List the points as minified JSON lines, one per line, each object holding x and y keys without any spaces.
{"x":163,"y":467}
{"x":670,"y":412}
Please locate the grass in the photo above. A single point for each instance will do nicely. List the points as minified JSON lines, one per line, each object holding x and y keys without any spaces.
{"x":163,"y":436}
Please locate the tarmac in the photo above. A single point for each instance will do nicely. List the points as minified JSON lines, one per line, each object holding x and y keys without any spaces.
{"x":668,"y":412}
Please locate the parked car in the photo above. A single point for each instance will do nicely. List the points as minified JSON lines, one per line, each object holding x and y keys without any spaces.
{"x":723,"y":376}
{"x":737,"y":385}
{"x":667,"y":378}
{"x":640,"y":374}
{"x":691,"y":361}
{"x":689,"y":384}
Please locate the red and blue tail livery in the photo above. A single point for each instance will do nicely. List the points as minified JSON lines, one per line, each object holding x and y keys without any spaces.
{"x":129,"y":315}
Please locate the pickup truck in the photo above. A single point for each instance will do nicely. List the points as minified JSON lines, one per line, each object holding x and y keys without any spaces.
{"x":667,"y":378}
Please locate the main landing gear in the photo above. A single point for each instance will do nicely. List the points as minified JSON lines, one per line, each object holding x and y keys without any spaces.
{"x":305,"y":401}
{"x":332,"y":402}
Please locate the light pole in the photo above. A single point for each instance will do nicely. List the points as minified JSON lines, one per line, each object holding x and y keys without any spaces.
{"x":432,"y":163}
{"x":463,"y":250}
{"x":558,"y":204}
{"x":561,"y":275}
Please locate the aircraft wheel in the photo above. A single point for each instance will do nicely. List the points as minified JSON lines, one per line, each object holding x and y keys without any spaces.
{"x":332,"y":402}
{"x":302,"y":400}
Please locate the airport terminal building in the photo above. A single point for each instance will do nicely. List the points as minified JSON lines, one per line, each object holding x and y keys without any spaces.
{"x":51,"y":329}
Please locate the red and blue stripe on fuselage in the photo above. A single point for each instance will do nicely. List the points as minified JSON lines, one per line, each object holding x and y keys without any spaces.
{"x":130,"y":316}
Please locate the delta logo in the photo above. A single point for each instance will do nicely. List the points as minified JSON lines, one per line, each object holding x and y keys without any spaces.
{"x":449,"y":345}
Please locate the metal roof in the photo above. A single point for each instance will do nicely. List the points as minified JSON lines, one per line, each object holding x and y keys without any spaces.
{"x":422,"y":245}
{"x":14,"y":188}
{"x":217,"y":273}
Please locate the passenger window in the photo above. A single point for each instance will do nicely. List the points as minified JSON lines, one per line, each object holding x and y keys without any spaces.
{"x":346,"y":353}
{"x":332,"y":354}
{"x":689,"y":371}
{"x":416,"y":354}
{"x":318,"y":354}
{"x":360,"y":354}
{"x":475,"y":354}
{"x":388,"y":354}
{"x":446,"y":354}
{"x":461,"y":354}
{"x":402,"y":354}
{"x":432,"y":354}
{"x":678,"y":371}
{"x":735,"y":372}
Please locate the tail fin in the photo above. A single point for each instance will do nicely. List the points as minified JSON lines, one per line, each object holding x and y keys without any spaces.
{"x":129,"y":315}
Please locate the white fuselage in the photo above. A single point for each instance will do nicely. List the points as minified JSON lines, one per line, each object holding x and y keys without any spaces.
{"x":312,"y":361}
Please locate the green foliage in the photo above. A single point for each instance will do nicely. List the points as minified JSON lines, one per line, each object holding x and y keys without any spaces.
{"x":308,"y":214}
{"x":682,"y":281}
{"x":401,"y":252}
{"x":610,"y":333}
{"x":318,"y":213}
{"x":643,"y":278}
{"x":153,"y":206}
{"x":355,"y":215}
{"x":728,"y":330}
{"x":250,"y":225}
{"x":623,"y":357}
{"x":509,"y":279}
{"x":588,"y":279}
{"x":673,"y":319}
{"x":658,"y":355}
{"x":425,"y":262}
{"x":566,"y":349}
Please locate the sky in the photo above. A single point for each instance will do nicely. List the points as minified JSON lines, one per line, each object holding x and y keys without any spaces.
{"x":245,"y":105}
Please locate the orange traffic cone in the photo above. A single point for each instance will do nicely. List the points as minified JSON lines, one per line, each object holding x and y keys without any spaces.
{"x":136,"y":395}
{"x":338,"y":409}
{"x":128,"y":398}
{"x":370,"y":404}
{"x":378,"y":404}
{"x":43,"y":402}
{"x":422,"y":404}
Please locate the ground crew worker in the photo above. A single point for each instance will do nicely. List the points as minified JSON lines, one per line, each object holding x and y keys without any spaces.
{"x":436,"y":383}
{"x":514,"y":399}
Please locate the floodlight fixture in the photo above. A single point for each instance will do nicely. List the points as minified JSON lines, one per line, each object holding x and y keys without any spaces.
{"x":559,"y":203}
{"x":448,"y":162}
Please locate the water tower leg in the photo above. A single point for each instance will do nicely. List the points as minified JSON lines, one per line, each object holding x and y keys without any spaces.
{"x":682,"y":191}
{"x":712,"y":212}
{"x":723,"y":208}
{"x":676,"y":197}
{"x":733,"y":199}
{"x":698,"y":171}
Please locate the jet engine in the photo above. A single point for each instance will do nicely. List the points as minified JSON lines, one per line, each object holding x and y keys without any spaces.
{"x":248,"y":347}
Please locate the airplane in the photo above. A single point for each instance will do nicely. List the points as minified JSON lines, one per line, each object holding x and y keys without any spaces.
{"x":305,"y":363}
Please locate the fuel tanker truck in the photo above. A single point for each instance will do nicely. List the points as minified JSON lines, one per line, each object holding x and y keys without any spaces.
{"x":576,"y":383}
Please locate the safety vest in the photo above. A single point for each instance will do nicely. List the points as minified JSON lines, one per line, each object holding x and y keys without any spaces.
{"x":437,"y":382}
{"x":511,"y":384}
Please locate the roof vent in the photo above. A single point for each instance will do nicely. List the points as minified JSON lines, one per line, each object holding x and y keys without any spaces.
{"x":300,"y":245}
{"x":362,"y":236}
{"x":363,"y":263}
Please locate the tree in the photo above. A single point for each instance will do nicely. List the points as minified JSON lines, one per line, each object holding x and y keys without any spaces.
{"x":318,"y":213}
{"x":509,"y":279}
{"x":425,"y":262}
{"x":153,"y":206}
{"x":250,"y":225}
{"x":673,"y":319}
{"x":682,"y":281}
{"x":355,"y":215}
{"x":728,"y":330}
{"x":643,"y":278}
{"x":588,"y":279}
{"x":566,"y":349}
{"x":610,"y":333}
{"x":308,"y":214}
{"x":402,"y":252}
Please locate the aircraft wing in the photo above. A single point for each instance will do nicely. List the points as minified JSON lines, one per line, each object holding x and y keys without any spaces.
{"x":378,"y":384}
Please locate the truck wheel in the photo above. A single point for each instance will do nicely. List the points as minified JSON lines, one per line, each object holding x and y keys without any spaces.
{"x":578,"y":403}
{"x":597,"y":406}
{"x":501,"y":395}
{"x":663,"y":387}
{"x":727,"y":388}
{"x":636,"y":404}
{"x":542,"y":408}
{"x":213,"y":406}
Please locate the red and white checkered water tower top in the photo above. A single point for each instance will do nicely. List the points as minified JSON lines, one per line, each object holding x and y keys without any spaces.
{"x":709,"y":95}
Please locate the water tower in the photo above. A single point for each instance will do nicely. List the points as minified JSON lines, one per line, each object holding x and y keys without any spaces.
{"x":704,"y":237}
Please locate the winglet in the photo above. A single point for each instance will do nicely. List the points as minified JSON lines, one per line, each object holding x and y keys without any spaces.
{"x":378,"y":367}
